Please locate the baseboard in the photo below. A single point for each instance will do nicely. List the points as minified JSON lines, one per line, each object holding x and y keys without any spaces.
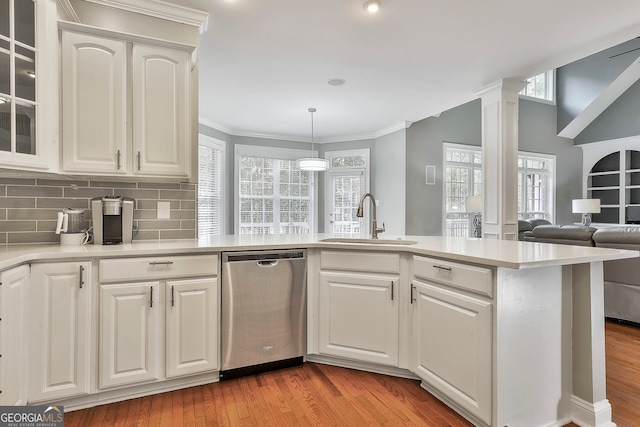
{"x":362,"y":366}
{"x":587,"y":414}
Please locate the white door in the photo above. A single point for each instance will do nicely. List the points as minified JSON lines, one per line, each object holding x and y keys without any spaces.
{"x":452,"y":346}
{"x":13,"y":336}
{"x":130,"y":346}
{"x":192,"y":326}
{"x":59,"y":334}
{"x":161,"y":124}
{"x":94,"y":134}
{"x":359,"y":317}
{"x":343,"y":191}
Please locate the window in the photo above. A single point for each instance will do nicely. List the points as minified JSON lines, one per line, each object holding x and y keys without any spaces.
{"x":211,"y":159}
{"x":463,"y":177}
{"x":18,"y":77}
{"x":272,"y":195}
{"x":535,"y":186}
{"x":345,"y":183}
{"x":540,"y":87}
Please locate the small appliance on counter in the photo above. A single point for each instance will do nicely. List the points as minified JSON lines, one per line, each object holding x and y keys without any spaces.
{"x":72,"y":227}
{"x":112,"y":220}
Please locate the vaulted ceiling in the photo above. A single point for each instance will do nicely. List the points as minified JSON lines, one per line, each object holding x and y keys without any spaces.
{"x":264,"y":63}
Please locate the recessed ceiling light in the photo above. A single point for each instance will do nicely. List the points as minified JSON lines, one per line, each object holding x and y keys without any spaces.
{"x":372,"y":6}
{"x":337,"y":82}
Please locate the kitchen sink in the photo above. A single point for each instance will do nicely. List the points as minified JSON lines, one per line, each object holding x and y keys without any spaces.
{"x":369,"y":241}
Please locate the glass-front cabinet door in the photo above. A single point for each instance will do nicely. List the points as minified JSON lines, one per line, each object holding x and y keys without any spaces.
{"x":21,"y":50}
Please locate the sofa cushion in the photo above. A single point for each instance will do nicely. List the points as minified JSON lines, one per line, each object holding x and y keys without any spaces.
{"x":535,"y":222}
{"x":618,"y":237}
{"x":564,"y":234}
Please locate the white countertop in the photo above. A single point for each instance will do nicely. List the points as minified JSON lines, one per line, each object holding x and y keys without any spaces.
{"x":498,"y":253}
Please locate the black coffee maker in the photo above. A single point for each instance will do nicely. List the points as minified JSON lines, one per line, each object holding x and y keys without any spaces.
{"x":112,"y":220}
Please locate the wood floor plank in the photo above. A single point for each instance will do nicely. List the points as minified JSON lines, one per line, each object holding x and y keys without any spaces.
{"x":322,"y":395}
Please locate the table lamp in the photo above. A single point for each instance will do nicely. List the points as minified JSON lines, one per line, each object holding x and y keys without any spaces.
{"x":586,"y":207}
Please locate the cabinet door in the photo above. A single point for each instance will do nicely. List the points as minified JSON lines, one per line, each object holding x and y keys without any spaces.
{"x":192,"y":326}
{"x":358,"y":317}
{"x":452,"y":338}
{"x":59,"y":335}
{"x":161,"y":125}
{"x":130,"y":327}
{"x":93,"y":104}
{"x":13,"y":336}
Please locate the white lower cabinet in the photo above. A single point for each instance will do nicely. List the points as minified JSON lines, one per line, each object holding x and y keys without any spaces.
{"x":152,"y":330}
{"x":13,"y":336}
{"x":452,"y":341}
{"x":59,"y":332}
{"x":358,"y":310}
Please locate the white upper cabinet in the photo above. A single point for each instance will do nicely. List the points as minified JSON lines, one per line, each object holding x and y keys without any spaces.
{"x":28,"y":85}
{"x":94,"y":103}
{"x":160,"y":110}
{"x":125,"y":104}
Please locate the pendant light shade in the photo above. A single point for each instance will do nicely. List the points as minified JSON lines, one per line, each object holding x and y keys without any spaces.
{"x":314,"y":164}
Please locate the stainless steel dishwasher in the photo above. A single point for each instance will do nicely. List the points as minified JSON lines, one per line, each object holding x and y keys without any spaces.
{"x":264,"y":314}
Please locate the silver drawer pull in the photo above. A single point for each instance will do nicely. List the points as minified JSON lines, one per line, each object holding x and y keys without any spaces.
{"x":161,"y":263}
{"x":442,"y":267}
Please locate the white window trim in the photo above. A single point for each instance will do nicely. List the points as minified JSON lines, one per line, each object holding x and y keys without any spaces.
{"x":222,"y":146}
{"x":338,"y":170}
{"x":551,"y":76}
{"x":478,"y":149}
{"x":281,"y":153}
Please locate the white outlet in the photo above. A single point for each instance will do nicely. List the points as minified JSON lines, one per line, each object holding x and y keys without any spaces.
{"x":164,"y":210}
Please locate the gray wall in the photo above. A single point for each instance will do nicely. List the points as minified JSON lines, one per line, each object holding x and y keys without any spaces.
{"x":580,"y":82}
{"x":621,"y":119}
{"x":460,"y":125}
{"x":389,"y":161}
{"x":537,"y":134}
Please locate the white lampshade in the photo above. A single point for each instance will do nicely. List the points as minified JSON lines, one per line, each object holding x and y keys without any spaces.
{"x":473,"y":204}
{"x":585,"y":206}
{"x":313,"y":164}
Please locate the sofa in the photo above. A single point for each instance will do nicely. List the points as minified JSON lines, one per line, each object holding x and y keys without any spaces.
{"x":525,"y":225}
{"x":621,"y":277}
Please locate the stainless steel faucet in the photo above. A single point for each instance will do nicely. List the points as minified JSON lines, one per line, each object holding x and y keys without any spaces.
{"x":374,"y":224}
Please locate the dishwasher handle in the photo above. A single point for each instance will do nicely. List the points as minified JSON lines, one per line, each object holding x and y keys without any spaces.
{"x":267,"y":263}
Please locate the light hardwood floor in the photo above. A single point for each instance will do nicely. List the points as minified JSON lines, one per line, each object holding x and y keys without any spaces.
{"x":321,"y":395}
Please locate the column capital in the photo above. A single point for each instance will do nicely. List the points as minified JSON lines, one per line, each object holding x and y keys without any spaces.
{"x":513,"y":85}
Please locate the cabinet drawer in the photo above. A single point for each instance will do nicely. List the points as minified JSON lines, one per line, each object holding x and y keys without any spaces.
{"x":360,"y":261}
{"x":165,"y":267}
{"x":471,"y":278}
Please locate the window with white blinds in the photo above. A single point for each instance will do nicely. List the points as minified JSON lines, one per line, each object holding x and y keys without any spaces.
{"x":272,"y":195}
{"x":211,"y":157}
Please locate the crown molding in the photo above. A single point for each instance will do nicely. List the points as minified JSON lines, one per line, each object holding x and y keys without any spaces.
{"x":325,"y":140}
{"x":66,"y":11}
{"x":160,"y":9}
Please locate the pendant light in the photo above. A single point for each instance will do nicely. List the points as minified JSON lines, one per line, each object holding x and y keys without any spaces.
{"x":312,"y":163}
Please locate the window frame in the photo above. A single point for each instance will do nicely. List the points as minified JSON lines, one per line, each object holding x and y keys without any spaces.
{"x":220,"y":145}
{"x":291,"y":154}
{"x":551,"y":190}
{"x":550,"y":88}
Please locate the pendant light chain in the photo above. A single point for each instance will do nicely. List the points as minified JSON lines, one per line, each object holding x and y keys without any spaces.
{"x":312,"y":110}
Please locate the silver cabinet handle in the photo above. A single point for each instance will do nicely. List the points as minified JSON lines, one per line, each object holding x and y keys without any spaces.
{"x":139,"y":164}
{"x":172,"y":298}
{"x":442,"y":267}
{"x":392,"y":286}
{"x":161,"y":263}
{"x":151,"y":297}
{"x":412,"y":298}
{"x":81,"y":276}
{"x":119,"y":156}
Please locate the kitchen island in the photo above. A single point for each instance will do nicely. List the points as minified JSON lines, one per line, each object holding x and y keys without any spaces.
{"x":506,"y":333}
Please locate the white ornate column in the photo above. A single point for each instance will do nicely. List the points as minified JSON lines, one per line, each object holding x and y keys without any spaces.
{"x":500,"y":159}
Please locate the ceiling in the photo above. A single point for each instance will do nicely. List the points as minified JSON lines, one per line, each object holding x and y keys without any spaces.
{"x":263,"y":63}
